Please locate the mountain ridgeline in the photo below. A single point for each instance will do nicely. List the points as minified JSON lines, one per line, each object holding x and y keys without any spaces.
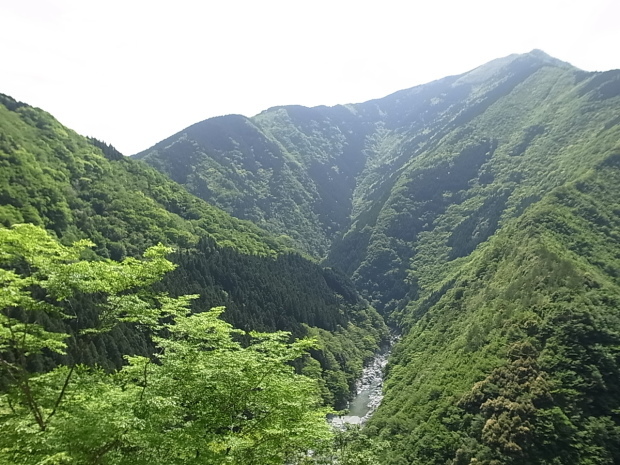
{"x":479,"y":214}
{"x":396,"y":189}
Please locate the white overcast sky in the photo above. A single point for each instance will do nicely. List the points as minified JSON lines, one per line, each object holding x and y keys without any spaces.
{"x":133,"y":72}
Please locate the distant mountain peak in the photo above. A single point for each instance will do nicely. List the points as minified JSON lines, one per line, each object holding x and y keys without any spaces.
{"x":548,"y":59}
{"x":491,"y":68}
{"x":539,"y":53}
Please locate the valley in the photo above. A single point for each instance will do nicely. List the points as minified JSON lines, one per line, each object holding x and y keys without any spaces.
{"x":478,"y":215}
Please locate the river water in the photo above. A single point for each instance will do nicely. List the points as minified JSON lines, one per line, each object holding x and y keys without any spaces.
{"x":369,"y":393}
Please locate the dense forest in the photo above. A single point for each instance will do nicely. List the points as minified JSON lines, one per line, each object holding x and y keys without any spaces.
{"x":478,"y":215}
{"x":83,"y":189}
{"x":515,"y":358}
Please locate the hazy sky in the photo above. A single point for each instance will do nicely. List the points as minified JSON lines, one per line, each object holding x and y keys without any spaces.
{"x":133,"y":72}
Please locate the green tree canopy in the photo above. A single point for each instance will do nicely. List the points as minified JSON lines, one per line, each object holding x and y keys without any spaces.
{"x":209,"y":394}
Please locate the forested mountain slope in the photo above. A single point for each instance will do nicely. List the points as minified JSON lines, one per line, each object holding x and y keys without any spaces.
{"x":55,"y":178}
{"x":480,"y":213}
{"x":80,"y":188}
{"x":526,"y":127}
{"x":298,"y":183}
{"x":425,"y":174}
{"x":517,"y":359}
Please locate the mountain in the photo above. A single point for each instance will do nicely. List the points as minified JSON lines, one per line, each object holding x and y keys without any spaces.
{"x":55,"y":178}
{"x":298,"y":185}
{"x":82,"y":188}
{"x":429,"y":172}
{"x":516,"y":359}
{"x":478,"y":213}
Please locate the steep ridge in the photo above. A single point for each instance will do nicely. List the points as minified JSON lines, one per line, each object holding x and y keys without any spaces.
{"x":291,"y":170}
{"x":80,"y":188}
{"x":487,"y":163}
{"x":518,"y":360}
{"x":425,"y":174}
{"x":55,"y":178}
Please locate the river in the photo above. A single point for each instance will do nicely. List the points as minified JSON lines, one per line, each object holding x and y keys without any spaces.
{"x":369,"y":393}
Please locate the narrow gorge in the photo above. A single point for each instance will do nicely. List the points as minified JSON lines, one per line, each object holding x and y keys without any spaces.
{"x":214,"y":297}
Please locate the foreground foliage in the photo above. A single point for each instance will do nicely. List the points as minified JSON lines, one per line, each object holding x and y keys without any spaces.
{"x":204,"y":397}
